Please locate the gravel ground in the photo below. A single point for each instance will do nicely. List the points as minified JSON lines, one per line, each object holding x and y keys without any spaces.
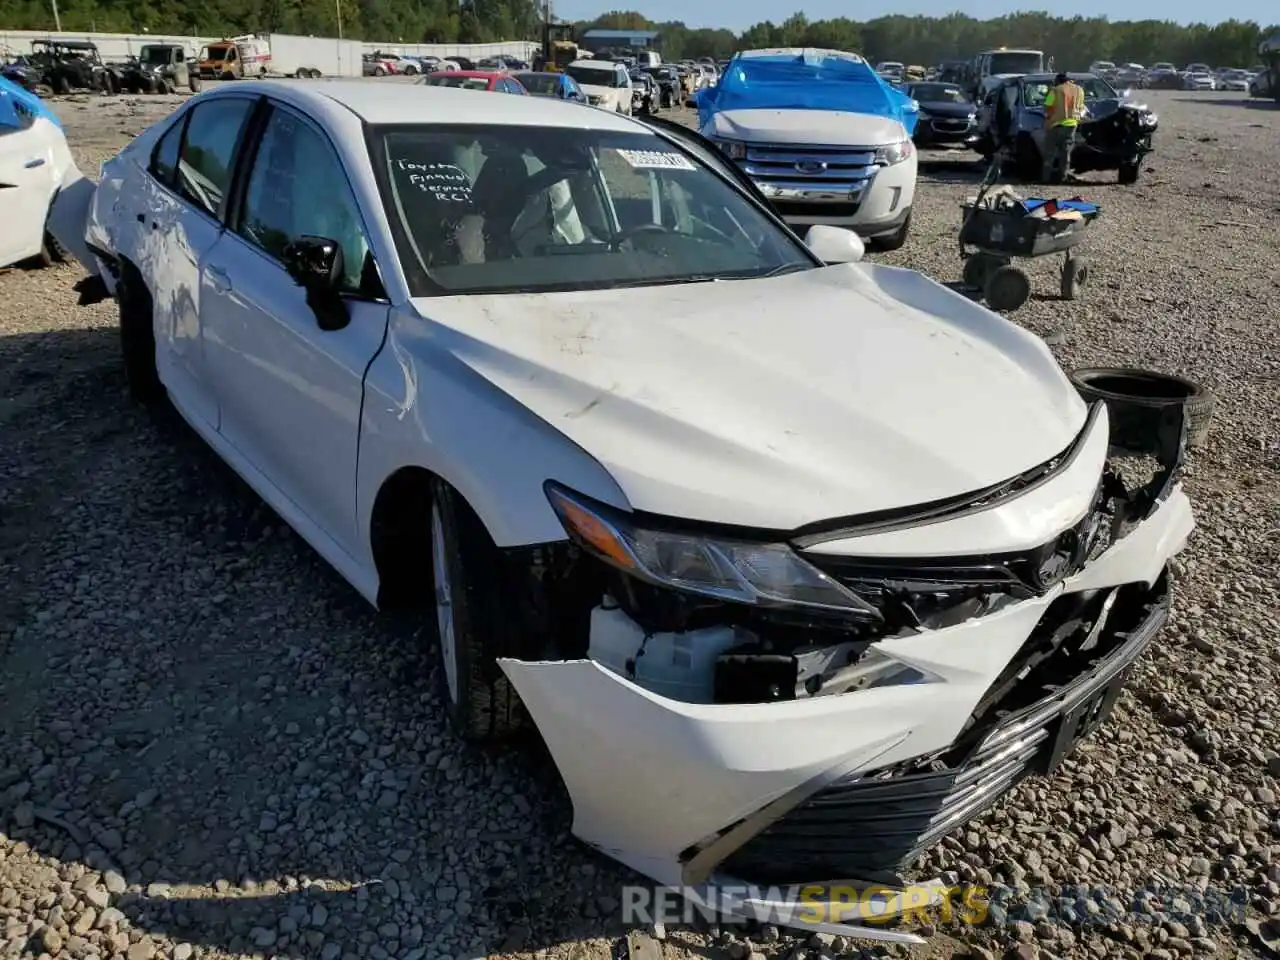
{"x":209,"y":746}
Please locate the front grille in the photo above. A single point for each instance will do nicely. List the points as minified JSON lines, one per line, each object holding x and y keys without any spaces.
{"x":824,"y":169}
{"x":870,"y":827}
{"x":801,"y":208}
{"x":950,"y":126}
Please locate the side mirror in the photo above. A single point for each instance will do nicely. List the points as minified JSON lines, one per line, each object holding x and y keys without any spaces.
{"x":316,"y":264}
{"x":834,"y":244}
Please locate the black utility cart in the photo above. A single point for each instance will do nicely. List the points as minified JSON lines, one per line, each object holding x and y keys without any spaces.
{"x":999,"y":228}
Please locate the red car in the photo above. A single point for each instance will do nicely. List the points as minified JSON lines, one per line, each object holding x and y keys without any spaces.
{"x":495,"y":81}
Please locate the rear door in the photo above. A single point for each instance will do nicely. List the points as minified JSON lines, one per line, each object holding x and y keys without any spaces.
{"x":26,"y":184}
{"x":178,"y":218}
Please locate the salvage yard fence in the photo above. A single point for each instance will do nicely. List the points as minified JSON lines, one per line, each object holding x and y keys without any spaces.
{"x":117,"y":46}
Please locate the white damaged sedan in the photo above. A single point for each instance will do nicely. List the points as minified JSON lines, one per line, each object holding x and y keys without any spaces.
{"x":796,"y":565}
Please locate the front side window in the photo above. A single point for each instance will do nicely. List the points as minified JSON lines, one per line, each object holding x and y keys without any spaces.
{"x":595,"y":76}
{"x":937,"y":93}
{"x":298,"y":188}
{"x":1015,"y":63}
{"x":525,"y":209}
{"x":209,"y":150}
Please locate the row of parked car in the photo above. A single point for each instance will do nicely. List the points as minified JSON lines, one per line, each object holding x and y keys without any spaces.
{"x":379,"y":64}
{"x":1166,"y":76}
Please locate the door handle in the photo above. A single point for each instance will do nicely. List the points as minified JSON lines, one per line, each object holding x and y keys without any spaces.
{"x":219,"y":279}
{"x":34,"y":162}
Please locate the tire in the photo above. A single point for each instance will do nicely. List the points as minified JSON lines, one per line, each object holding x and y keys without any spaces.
{"x":61,"y":86}
{"x":1075,"y":277}
{"x":469,"y":625}
{"x":895,"y":240}
{"x":979,"y":267}
{"x":227,"y":75}
{"x":138,"y":339}
{"x":1007,"y":288}
{"x":302,"y":73}
{"x":410,"y":71}
{"x":1147,"y":391}
{"x":315,"y":74}
{"x":1027,"y":161}
{"x":379,"y":71}
{"x":51,"y":251}
{"x":1129,"y":173}
{"x":193,"y":81}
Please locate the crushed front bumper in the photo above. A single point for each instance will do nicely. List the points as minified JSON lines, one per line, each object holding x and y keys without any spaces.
{"x":767,"y":792}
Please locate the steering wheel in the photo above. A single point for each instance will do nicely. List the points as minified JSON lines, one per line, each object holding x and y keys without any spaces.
{"x":640,"y":228}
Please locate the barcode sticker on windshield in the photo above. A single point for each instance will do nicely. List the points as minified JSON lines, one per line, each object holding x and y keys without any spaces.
{"x":656,"y":160}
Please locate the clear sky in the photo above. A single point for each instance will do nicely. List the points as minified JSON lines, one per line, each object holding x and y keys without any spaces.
{"x":740,"y":14}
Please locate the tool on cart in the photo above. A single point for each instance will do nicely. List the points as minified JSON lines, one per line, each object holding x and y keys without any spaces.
{"x":1001,"y":226}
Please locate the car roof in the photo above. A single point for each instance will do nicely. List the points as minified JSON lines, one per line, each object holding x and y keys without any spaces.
{"x":391,"y":103}
{"x":478,"y":74}
{"x":610,"y":64}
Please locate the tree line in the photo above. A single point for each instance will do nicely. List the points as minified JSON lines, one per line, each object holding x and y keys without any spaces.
{"x":1074,"y":42}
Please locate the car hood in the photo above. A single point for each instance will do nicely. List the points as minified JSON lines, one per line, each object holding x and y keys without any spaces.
{"x":948,"y":108}
{"x":592,"y":90}
{"x":778,"y":402}
{"x":826,"y":127}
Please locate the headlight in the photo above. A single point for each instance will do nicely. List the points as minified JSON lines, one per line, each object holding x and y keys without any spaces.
{"x":894,"y":153}
{"x":733,"y":149}
{"x":737,"y":571}
{"x":1150,"y":120}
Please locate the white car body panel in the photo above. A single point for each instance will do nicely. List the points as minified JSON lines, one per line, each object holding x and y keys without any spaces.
{"x":35,"y":165}
{"x":881,"y":390}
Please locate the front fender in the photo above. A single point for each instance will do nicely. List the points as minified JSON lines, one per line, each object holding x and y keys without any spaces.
{"x":424,"y":408}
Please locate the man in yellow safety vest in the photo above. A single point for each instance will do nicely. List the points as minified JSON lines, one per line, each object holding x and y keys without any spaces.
{"x":1063,"y":108}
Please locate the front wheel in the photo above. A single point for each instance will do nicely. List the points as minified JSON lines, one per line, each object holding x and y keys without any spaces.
{"x":1129,"y":173}
{"x":895,"y":240}
{"x":470,"y":627}
{"x":193,"y":81}
{"x":379,"y":72}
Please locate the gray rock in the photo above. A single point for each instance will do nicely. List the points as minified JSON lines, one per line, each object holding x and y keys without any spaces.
{"x":24,"y":815}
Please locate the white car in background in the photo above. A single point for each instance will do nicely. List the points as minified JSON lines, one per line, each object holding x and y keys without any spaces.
{"x":1198,"y":81}
{"x":35,"y":165}
{"x":1233,"y":79}
{"x":606,"y":84}
{"x":770,"y":544}
{"x":1130,"y":75}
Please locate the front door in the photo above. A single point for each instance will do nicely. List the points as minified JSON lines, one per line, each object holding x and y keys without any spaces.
{"x":290,"y":393}
{"x":26,"y":184}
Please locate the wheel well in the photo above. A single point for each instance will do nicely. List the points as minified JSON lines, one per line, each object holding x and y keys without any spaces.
{"x":400,"y":532}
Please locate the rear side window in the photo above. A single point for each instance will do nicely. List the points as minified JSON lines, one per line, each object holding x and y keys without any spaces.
{"x":207,"y":158}
{"x":164,"y":160}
